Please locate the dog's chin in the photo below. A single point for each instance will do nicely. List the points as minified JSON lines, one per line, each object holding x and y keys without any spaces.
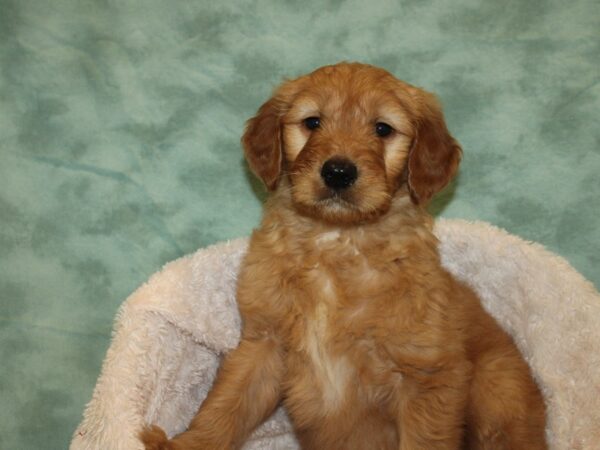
{"x":336,"y":209}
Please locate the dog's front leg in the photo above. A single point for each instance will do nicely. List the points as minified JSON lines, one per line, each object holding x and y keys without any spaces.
{"x":245,"y":393}
{"x":432,"y":409}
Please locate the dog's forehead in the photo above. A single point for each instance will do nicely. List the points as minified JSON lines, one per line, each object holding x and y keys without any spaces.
{"x":339,"y":88}
{"x":335,"y":94}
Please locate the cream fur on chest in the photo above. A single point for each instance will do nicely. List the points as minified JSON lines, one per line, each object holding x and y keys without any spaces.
{"x":333,"y":372}
{"x":170,"y":334}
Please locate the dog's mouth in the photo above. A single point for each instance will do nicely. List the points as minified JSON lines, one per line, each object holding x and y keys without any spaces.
{"x":341,"y":207}
{"x":337,"y":200}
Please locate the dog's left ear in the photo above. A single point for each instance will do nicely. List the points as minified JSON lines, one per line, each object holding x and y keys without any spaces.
{"x":435,"y":155}
{"x":262,"y":143}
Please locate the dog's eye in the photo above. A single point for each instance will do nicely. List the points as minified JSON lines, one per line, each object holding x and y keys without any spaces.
{"x":383,"y":129}
{"x":312,"y":123}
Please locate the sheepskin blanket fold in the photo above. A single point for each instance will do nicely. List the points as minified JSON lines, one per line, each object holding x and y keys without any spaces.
{"x":170,"y":334}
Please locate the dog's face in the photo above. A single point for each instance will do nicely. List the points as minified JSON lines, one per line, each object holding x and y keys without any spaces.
{"x":349,"y":137}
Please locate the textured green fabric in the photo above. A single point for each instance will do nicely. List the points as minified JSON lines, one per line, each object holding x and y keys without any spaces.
{"x":119,"y":148}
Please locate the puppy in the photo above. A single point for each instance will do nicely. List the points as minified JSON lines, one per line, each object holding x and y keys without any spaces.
{"x":349,"y":318}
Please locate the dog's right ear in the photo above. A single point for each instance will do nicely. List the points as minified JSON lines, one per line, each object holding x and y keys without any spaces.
{"x":262,"y":143}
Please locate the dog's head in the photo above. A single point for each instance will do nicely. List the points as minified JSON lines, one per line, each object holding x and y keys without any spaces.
{"x":349,"y":137}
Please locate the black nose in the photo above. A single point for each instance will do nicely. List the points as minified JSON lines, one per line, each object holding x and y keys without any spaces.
{"x":339,"y":173}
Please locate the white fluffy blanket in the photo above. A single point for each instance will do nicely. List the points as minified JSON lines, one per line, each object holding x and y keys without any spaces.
{"x":170,"y":334}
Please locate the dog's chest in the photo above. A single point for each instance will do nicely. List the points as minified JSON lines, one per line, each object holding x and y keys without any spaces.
{"x":332,"y":370}
{"x":340,"y":287}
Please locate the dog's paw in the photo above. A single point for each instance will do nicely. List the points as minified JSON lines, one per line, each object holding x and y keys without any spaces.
{"x":154,"y":438}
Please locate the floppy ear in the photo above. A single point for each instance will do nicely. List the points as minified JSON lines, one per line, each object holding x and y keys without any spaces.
{"x":262,"y":143}
{"x":434,"y":156}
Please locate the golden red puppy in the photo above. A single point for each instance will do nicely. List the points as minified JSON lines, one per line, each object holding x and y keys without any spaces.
{"x":349,"y":318}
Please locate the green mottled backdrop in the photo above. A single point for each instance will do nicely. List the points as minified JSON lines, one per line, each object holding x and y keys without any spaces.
{"x":119,"y":148}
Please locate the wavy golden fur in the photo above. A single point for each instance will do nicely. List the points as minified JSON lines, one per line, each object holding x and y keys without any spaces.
{"x":348,"y":317}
